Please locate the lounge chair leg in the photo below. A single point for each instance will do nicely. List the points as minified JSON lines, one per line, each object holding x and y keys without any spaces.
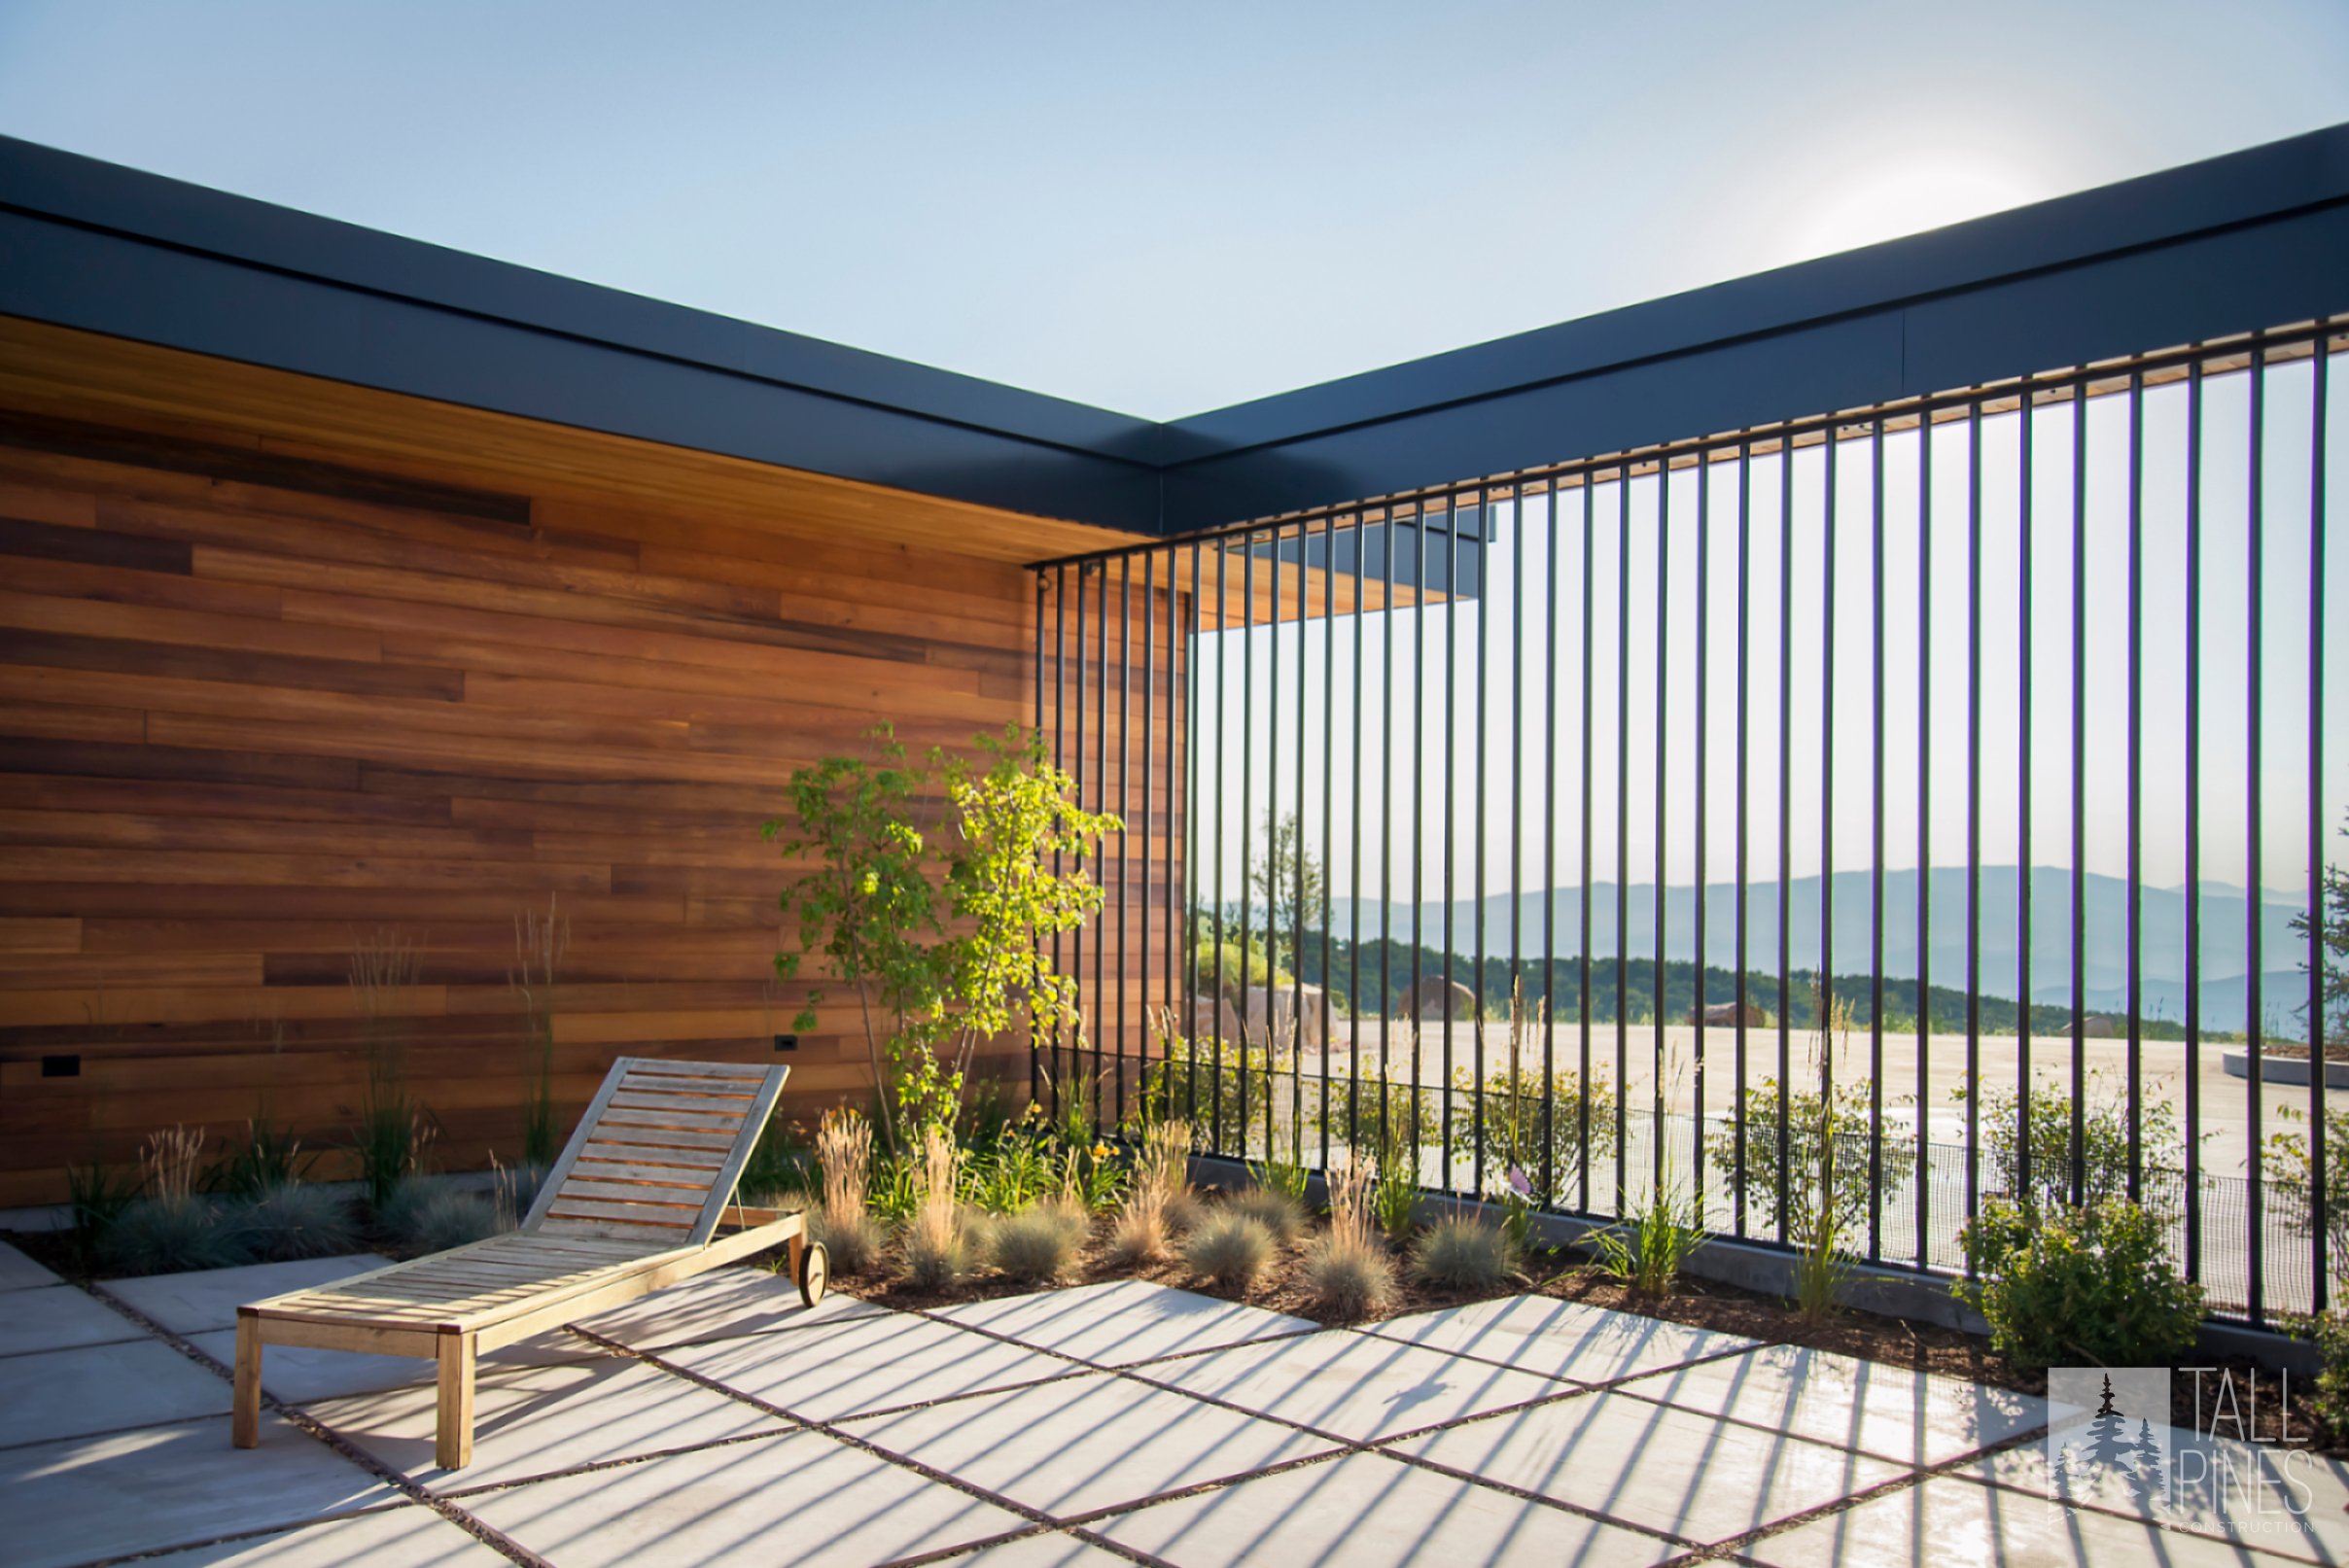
{"x":453,"y":1437}
{"x":244,"y":1419}
{"x":794,"y":1250}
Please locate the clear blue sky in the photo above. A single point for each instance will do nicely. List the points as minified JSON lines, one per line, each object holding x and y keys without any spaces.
{"x":1162,"y":209}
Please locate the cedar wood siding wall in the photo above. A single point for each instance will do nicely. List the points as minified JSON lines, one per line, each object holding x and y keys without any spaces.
{"x":283,"y":664}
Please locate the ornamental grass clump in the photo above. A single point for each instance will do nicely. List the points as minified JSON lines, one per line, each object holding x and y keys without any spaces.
{"x":1463,"y":1252}
{"x":1279,"y":1213}
{"x":940,"y":1244}
{"x":172,"y":1229}
{"x":840,"y":1219}
{"x":291,"y":1220}
{"x":1039,"y":1243}
{"x":425,"y":1214}
{"x":1161,"y":1185}
{"x":1230,"y":1249}
{"x":1347,"y":1271}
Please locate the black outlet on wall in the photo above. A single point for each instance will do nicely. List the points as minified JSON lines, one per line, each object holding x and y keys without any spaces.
{"x":787,"y":1042}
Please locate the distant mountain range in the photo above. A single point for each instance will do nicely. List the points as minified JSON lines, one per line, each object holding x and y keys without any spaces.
{"x":2104,"y":929}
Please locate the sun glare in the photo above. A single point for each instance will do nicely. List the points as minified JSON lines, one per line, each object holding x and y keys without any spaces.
{"x":1907,"y":200}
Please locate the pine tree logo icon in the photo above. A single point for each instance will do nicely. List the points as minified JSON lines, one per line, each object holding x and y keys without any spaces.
{"x":2102,"y":1444}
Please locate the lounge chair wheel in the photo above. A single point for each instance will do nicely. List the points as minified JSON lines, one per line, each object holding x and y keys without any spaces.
{"x":814,"y":1272}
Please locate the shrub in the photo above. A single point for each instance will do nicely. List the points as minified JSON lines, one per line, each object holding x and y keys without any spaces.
{"x":169,"y":1236}
{"x":1281,"y":1215}
{"x":1346,"y":1271}
{"x":425,"y":1215}
{"x":294,"y":1221}
{"x":1230,"y":1249}
{"x":1039,"y":1243}
{"x":1461,"y":1252}
{"x":1009,"y":1175}
{"x":2330,"y":1402}
{"x":2104,"y":1147}
{"x":2094,"y":1284}
{"x":939,"y":1241}
{"x":1516,"y":1122}
{"x":1219,"y":1089}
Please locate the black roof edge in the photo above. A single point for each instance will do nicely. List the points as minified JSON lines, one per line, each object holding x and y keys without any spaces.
{"x":2235,"y":188}
{"x":96,"y":245}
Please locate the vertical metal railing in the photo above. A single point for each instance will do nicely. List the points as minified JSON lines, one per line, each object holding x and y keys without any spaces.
{"x":1387,"y":904}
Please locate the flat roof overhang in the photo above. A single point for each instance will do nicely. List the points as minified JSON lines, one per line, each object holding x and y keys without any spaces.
{"x":2234,"y":244}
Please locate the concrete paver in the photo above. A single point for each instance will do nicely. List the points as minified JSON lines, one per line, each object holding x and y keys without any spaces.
{"x":536,"y":1420}
{"x":798,"y":1497}
{"x":1354,"y":1386}
{"x":83,"y":1499}
{"x":1089,"y":1442}
{"x":19,"y":1273}
{"x":58,"y":1318}
{"x":1125,"y":1321}
{"x":858,"y":1366}
{"x":1891,"y":1411}
{"x":407,"y":1536}
{"x":1691,"y":1475}
{"x":1370,"y":1511}
{"x":102,"y":1388}
{"x":1568,"y":1340}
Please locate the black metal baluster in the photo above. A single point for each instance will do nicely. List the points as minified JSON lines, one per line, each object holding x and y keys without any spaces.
{"x":2254,"y":1025}
{"x":2194,"y":821}
{"x":1623,"y":823}
{"x":1657,"y":1121}
{"x":1924,"y":834}
{"x":1786,"y":776}
{"x":1746,"y":487}
{"x":1582,"y":1173}
{"x":2320,"y":366}
{"x":2022,"y":802}
{"x":1875,"y":849}
{"x":1974,"y":790}
{"x":2135,"y":921}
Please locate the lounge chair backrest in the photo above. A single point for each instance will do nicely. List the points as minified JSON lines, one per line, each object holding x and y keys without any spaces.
{"x":658,"y":1152}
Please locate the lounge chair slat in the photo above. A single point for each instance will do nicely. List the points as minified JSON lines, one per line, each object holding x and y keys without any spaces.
{"x":613,"y":1229}
{"x":687,"y":1199}
{"x":675,"y":1176}
{"x":580,"y":1208}
{"x":637,"y":1101}
{"x":704,"y":1161}
{"x":695,"y":1069}
{"x":660,"y":1137}
{"x":620,"y":1116}
{"x":715,"y":1089}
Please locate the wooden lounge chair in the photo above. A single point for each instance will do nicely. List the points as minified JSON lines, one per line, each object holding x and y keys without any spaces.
{"x":643,"y":1197}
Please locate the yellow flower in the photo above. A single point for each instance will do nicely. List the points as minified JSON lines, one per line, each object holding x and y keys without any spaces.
{"x":1101,"y":1151}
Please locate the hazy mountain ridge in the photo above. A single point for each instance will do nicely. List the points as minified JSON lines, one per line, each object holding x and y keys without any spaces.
{"x":2104,"y":932}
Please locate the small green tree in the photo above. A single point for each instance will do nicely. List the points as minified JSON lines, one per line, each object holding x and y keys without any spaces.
{"x":1288,"y":887}
{"x":938,"y":934}
{"x":2329,"y":951}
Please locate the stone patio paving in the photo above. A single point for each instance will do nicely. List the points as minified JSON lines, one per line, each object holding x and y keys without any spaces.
{"x":720,"y":1422}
